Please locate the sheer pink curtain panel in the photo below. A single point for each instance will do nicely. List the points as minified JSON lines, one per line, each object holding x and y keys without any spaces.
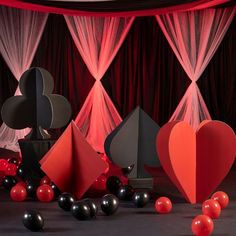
{"x":98,"y":39}
{"x":20,"y":34}
{"x":194,"y":37}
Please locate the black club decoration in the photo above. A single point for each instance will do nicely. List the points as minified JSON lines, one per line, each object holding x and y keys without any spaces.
{"x":37,"y":108}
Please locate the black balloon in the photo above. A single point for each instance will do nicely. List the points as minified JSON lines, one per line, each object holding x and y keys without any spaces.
{"x":65,"y":201}
{"x":80,"y":210}
{"x":13,"y":160}
{"x":33,"y":220}
{"x":92,"y":206}
{"x":31,"y":188}
{"x":109,"y":204}
{"x":8,"y":182}
{"x":56,"y":190}
{"x":125,"y":193}
{"x":127,"y":170}
{"x":140,"y":199}
{"x":113,"y":184}
{"x":21,"y":172}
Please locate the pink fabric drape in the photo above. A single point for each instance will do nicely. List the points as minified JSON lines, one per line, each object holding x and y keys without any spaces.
{"x":194,"y":37}
{"x":20,"y":34}
{"x":149,"y":8}
{"x":98,"y":39}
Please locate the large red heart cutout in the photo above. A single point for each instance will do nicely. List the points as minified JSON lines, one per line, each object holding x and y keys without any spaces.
{"x":196,"y":161}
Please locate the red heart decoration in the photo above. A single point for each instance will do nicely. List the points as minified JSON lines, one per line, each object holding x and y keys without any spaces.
{"x":196,"y":161}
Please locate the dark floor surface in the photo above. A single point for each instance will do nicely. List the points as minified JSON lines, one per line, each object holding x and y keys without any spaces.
{"x":127,"y":221}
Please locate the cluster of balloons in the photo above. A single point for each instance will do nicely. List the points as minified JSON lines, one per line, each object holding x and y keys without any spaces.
{"x":8,"y":167}
{"x":20,"y":188}
{"x":126,"y":192}
{"x":211,"y":209}
{"x":140,"y":199}
{"x":86,"y":209}
{"x":99,"y":186}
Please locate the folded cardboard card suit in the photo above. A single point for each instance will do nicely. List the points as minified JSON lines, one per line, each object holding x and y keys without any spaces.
{"x":196,"y":162}
{"x":72,"y":164}
{"x":37,"y":107}
{"x":133,"y":142}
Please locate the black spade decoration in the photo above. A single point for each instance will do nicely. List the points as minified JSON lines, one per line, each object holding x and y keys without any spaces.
{"x":127,"y":170}
{"x":37,"y":108}
{"x":80,"y":210}
{"x":33,"y":220}
{"x":134,"y":142}
{"x":141,"y":199}
{"x":65,"y":201}
{"x":109,"y":204}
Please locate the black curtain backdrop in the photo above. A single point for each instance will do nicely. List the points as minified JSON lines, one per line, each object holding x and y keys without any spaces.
{"x":145,"y":72}
{"x":58,"y":54}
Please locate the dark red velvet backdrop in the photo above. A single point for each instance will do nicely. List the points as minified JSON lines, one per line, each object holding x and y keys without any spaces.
{"x":145,"y":72}
{"x":58,"y":54}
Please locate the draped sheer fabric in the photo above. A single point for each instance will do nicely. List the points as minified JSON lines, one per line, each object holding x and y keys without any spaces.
{"x":98,"y":39}
{"x":20,"y":34}
{"x":194,"y":37}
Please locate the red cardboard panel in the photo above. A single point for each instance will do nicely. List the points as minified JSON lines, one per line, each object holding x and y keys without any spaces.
{"x":196,"y":162}
{"x":182,"y":149}
{"x":72,"y":164}
{"x":216,"y":150}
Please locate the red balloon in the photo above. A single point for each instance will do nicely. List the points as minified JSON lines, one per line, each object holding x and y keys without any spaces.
{"x":11,"y":169}
{"x":18,"y":193}
{"x":45,"y":193}
{"x":45,"y":180}
{"x":211,"y":208}
{"x":222,"y":198}
{"x":163,"y":205}
{"x":202,"y":225}
{"x":99,"y":184}
{"x":3,"y":164}
{"x":21,"y":183}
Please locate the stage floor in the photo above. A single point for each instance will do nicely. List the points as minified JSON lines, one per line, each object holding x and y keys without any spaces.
{"x":127,"y":221}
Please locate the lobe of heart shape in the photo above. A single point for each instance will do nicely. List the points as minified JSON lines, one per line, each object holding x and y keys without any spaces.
{"x":196,"y":161}
{"x":71,"y":163}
